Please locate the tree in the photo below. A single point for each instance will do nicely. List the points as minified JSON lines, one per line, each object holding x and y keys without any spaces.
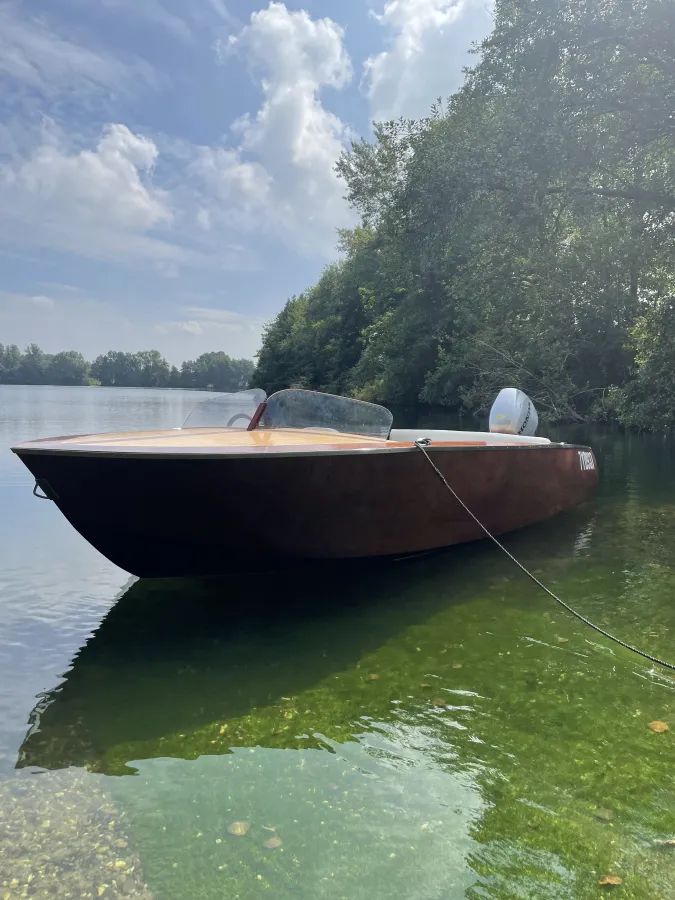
{"x":217,"y":372}
{"x":154,"y":369}
{"x":147,"y":368}
{"x":33,"y":366}
{"x":522,"y":234}
{"x":115,"y":368}
{"x":10,"y":362}
{"x":68,"y":368}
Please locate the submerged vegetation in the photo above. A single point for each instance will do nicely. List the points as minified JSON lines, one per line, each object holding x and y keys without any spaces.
{"x":64,"y":837}
{"x":147,"y":368}
{"x":434,"y":730}
{"x":523,"y":234}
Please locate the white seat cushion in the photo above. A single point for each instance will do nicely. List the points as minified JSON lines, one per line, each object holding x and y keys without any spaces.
{"x":414,"y":434}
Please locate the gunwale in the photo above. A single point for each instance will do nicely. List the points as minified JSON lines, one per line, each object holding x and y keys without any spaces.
{"x":224,"y":443}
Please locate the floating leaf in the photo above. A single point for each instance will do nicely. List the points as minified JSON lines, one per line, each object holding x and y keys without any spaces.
{"x":457,"y":666}
{"x":239,"y":829}
{"x":273,"y":843}
{"x":373,"y":677}
{"x":439,"y":701}
{"x":610,"y":880}
{"x":423,"y":685}
{"x":658,"y":727}
{"x":562,"y":640}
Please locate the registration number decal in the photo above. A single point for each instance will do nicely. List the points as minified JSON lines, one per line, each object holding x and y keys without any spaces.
{"x":586,"y":460}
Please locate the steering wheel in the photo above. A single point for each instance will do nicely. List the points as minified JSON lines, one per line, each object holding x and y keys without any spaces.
{"x":238,"y":416}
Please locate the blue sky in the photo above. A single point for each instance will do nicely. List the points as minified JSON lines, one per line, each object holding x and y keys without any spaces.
{"x":166,"y":167}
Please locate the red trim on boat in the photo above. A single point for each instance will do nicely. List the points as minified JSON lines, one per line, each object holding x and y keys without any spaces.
{"x":257,"y":416}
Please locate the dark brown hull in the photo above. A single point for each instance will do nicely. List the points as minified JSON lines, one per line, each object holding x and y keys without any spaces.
{"x":180,"y":516}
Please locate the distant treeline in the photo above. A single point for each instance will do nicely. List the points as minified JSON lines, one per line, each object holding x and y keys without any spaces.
{"x":147,"y":368}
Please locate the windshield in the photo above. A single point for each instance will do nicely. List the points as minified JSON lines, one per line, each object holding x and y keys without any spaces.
{"x":308,"y":409}
{"x":226,"y":410}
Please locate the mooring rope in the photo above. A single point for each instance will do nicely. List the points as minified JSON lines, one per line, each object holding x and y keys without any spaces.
{"x":421,"y":445}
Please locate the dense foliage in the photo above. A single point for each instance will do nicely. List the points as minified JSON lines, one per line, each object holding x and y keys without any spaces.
{"x":148,"y":368}
{"x":524,"y":234}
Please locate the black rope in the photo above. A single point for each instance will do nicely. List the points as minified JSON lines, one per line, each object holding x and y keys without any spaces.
{"x":533,"y":578}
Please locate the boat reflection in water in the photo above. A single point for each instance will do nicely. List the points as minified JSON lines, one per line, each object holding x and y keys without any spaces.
{"x":185,"y":668}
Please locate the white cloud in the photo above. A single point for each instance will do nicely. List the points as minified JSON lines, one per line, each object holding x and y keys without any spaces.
{"x":218,"y":6}
{"x":154,"y":11}
{"x":241,"y":188}
{"x":294,"y":48}
{"x":102,"y":203}
{"x":17,"y":301}
{"x":32,"y":55}
{"x":429,"y":43}
{"x":62,"y":324}
{"x":98,"y":203}
{"x":96,"y":186}
{"x":114,"y":199}
{"x":182,"y":20}
{"x":92,"y":327}
{"x":191,"y":326}
{"x":280,"y":175}
{"x":61,"y":287}
{"x":42,"y":301}
{"x":220,"y":328}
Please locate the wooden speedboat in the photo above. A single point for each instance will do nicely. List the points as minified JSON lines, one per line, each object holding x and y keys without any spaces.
{"x":250,"y":483}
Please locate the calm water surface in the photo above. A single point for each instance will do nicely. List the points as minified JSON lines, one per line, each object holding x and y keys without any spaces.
{"x":428,"y":729}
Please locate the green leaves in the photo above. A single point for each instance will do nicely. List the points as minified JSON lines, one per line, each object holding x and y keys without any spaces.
{"x":521,"y":235}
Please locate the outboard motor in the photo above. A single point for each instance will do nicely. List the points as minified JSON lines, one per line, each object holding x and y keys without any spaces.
{"x":513,"y":413}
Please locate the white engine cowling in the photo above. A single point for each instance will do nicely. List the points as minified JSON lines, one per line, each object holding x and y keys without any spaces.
{"x":513,"y":413}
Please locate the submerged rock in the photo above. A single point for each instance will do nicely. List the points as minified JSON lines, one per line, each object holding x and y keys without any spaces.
{"x":658,"y":727}
{"x":603,"y":815}
{"x":273,"y":843}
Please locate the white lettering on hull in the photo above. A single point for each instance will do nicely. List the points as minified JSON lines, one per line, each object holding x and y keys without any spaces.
{"x":586,"y":461}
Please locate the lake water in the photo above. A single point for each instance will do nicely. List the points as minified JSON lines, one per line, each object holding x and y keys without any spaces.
{"x":427,"y":730}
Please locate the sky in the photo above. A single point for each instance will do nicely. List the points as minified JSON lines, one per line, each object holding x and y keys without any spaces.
{"x":167,"y":166}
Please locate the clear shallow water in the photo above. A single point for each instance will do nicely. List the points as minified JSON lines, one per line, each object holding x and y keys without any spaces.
{"x":428,"y":729}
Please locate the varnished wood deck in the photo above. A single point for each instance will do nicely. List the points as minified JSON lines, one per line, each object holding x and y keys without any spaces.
{"x":218,"y":441}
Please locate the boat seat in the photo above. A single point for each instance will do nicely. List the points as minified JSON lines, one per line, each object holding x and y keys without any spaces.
{"x":414,"y":434}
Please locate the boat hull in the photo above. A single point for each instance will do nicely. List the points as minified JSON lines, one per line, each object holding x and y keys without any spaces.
{"x":191,"y":516}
